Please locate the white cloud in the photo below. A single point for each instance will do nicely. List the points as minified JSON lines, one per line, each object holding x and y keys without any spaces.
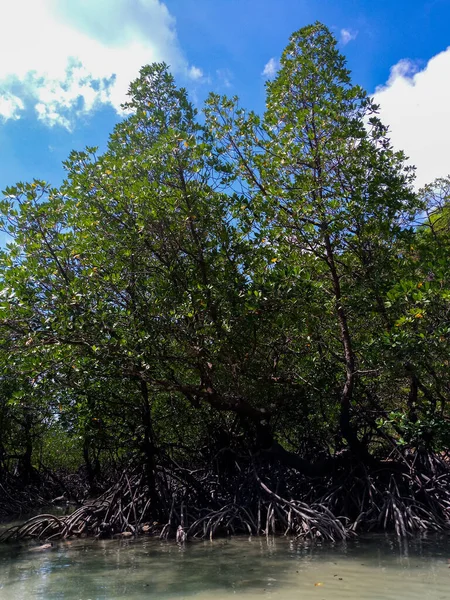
{"x":10,"y":106}
{"x":415,"y":103}
{"x":271,"y":68}
{"x":195,"y":73}
{"x":73,"y":55}
{"x":347,"y":35}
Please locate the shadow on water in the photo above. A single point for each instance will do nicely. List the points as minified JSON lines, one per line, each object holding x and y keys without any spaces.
{"x":373,"y":567}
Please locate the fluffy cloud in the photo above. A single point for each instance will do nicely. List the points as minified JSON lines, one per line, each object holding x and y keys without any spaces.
{"x":271,"y":68}
{"x":66,"y":57}
{"x":10,"y":106}
{"x":195,"y":73}
{"x":415,"y":104}
{"x":347,"y":35}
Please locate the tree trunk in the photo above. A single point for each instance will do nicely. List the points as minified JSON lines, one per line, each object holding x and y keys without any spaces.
{"x":348,"y":431}
{"x":93,"y":470}
{"x":148,"y":445}
{"x":27,"y":471}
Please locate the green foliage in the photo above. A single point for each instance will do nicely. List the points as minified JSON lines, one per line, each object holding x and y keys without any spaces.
{"x":60,"y":450}
{"x":257,"y":276}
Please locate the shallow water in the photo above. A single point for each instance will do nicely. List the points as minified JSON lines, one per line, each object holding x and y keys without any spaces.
{"x":371,"y":568}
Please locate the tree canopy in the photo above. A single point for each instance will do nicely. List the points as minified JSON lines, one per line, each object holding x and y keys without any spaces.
{"x":229,"y":287}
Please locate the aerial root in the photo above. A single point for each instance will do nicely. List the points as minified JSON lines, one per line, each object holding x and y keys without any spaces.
{"x":119,"y":510}
{"x":332,"y":508}
{"x":409,"y":503}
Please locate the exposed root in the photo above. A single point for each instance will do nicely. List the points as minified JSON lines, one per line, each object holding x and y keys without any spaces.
{"x":302,"y":520}
{"x":408,"y":503}
{"x":119,"y":510}
{"x":414,"y":499}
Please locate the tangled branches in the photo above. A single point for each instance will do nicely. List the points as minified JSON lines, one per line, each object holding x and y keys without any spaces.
{"x":121,"y":509}
{"x":198,"y":504}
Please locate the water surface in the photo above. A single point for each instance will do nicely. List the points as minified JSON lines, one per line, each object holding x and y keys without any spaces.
{"x":370,"y":568}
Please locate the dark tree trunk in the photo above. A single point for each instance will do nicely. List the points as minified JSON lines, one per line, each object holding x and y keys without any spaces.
{"x":27,"y":472}
{"x":349,"y":433}
{"x":92,"y":468}
{"x":148,"y":445}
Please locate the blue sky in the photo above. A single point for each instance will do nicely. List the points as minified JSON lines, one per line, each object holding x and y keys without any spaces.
{"x":65,"y":66}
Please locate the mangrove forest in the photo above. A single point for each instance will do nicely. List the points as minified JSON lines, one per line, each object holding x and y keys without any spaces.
{"x":229,"y":322}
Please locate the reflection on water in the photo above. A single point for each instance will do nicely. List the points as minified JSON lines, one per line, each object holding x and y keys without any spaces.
{"x":371,"y":568}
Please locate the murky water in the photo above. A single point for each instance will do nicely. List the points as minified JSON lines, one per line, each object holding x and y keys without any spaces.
{"x":371,"y":568}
